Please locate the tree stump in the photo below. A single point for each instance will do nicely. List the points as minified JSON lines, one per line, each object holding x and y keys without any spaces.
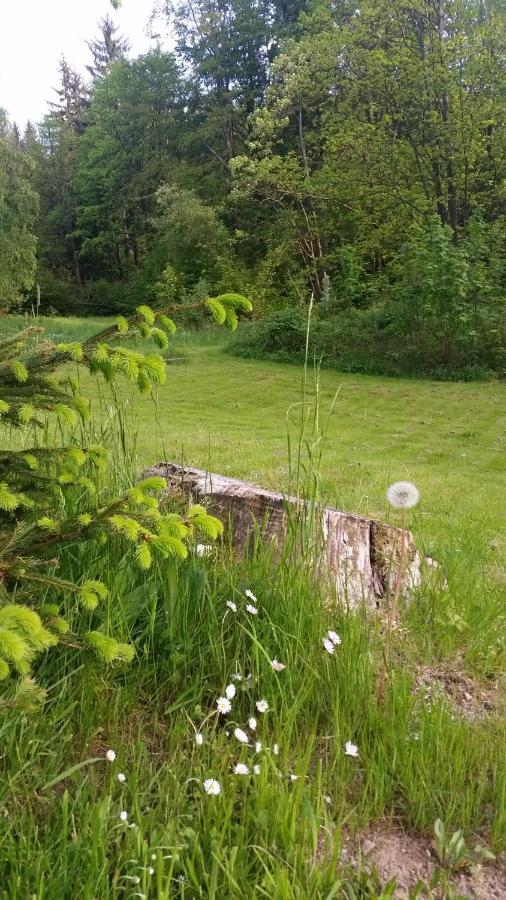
{"x":358,"y":555}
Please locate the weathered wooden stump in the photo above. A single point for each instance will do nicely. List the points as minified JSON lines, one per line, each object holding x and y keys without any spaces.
{"x":357,"y":554}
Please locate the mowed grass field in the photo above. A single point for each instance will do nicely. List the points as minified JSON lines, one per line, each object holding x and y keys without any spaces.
{"x":433,"y":749}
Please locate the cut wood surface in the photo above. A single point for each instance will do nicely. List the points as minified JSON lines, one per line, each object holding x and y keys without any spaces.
{"x":357,"y":554}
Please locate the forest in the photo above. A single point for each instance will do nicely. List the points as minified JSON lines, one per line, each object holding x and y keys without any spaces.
{"x":307,"y":154}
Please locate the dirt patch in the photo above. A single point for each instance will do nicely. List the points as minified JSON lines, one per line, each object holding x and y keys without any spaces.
{"x":468,"y":699}
{"x":410,"y":860}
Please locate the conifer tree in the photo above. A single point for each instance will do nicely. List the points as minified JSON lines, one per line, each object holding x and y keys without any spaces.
{"x":106,"y":49}
{"x":47,"y":496}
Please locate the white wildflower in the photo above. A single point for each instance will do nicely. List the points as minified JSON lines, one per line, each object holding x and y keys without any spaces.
{"x":334,"y":637}
{"x":252,"y":724}
{"x":294,"y":777}
{"x":150,"y":870}
{"x":250,"y":595}
{"x":211,"y":786}
{"x":241,"y":769}
{"x":123,"y":815}
{"x":110,"y":755}
{"x":203,"y":549}
{"x":329,"y":646}
{"x":236,"y":676}
{"x":223,"y":705}
{"x":252,"y":609}
{"x":231,"y":605}
{"x":121,"y":777}
{"x":230,"y":691}
{"x":403,"y":495}
{"x":256,"y":769}
{"x":262,"y":706}
{"x":258,"y":746}
{"x":241,"y":735}
{"x":350,"y":749}
{"x":275,"y":749}
{"x":328,"y":800}
{"x":199,"y":739}
{"x":277,"y":666}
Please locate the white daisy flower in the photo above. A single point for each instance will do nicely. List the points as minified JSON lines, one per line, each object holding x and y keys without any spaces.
{"x":110,"y":755}
{"x":256,"y":769}
{"x":241,"y":769}
{"x":223,"y":705}
{"x":350,"y":749}
{"x":277,"y":666}
{"x":262,"y":706}
{"x":252,"y":724}
{"x":403,"y":495}
{"x":121,"y":777}
{"x":252,"y":609}
{"x":211,"y":786}
{"x":258,"y":746}
{"x":250,"y":595}
{"x":241,"y":735}
{"x":231,"y":605}
{"x":334,"y":637}
{"x":203,"y":549}
{"x":275,"y":749}
{"x":199,"y":739}
{"x":230,"y":691}
{"x":123,"y":815}
{"x":329,"y":646}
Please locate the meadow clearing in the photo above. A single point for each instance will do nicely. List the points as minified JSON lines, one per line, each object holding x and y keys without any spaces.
{"x":141,"y":822}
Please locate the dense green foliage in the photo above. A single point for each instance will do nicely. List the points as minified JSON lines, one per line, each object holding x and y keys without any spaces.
{"x":356,"y":154}
{"x":51,"y":493}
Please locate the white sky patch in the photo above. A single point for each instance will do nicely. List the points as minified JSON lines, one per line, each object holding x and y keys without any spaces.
{"x":34,"y":34}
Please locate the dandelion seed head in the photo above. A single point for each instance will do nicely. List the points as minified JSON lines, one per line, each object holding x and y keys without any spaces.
{"x":110,"y":755}
{"x":241,"y":769}
{"x":241,"y":735}
{"x":350,"y":749}
{"x":230,"y":691}
{"x":262,"y":706}
{"x":212,"y":787}
{"x":403,"y":495}
{"x":223,"y":705}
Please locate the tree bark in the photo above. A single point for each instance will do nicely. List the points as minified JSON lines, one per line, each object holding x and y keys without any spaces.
{"x":357,"y":557}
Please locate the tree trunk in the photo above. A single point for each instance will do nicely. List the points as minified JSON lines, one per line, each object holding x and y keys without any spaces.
{"x":356,"y":556}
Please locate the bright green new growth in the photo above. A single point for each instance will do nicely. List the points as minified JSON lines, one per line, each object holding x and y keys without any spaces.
{"x":50,"y":499}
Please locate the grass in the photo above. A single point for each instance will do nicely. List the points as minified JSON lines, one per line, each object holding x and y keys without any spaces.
{"x":268,"y":835}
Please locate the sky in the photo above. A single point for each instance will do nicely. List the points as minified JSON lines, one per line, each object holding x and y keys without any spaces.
{"x":35,"y":33}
